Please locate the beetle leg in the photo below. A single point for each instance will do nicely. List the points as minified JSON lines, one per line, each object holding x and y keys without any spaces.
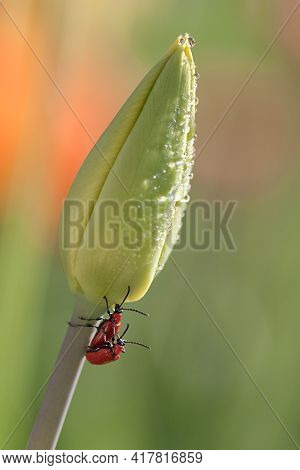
{"x":93,"y":319}
{"x":85,"y":326}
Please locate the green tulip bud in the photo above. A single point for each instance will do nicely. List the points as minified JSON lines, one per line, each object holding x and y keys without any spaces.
{"x":142,"y":166}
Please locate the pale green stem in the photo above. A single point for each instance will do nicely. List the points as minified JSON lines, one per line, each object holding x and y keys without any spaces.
{"x":61,"y":387}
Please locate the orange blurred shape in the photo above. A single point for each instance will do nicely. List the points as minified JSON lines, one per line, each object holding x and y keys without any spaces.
{"x":53,"y":134}
{"x":14,"y":79}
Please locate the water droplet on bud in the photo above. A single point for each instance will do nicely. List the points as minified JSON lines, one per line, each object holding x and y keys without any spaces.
{"x":191,"y":41}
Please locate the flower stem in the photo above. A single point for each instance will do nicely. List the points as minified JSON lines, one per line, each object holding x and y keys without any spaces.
{"x":60,"y":387}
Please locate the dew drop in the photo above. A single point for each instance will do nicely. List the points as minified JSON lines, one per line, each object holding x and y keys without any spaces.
{"x":196,"y":100}
{"x":158,"y":269}
{"x":191,"y":41}
{"x":172,"y":195}
{"x":197,"y":76}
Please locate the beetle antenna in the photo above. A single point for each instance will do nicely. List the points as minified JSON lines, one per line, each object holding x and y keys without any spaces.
{"x":132,"y":342}
{"x":107,"y":306}
{"x":139,"y":344}
{"x":138,"y":311}
{"x":124,"y":332}
{"x":127,"y":294}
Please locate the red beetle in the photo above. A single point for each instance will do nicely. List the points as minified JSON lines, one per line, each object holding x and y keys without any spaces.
{"x":110,"y":352}
{"x":108,"y":329}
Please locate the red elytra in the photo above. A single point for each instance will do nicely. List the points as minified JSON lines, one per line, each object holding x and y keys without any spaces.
{"x":105,"y":354}
{"x":109,"y":352}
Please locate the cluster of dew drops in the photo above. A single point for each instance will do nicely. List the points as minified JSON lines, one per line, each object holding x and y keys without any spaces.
{"x":190,"y":149}
{"x":187,"y":163}
{"x":167,"y":147}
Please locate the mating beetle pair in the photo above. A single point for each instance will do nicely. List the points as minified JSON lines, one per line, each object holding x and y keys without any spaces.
{"x":106,"y":346}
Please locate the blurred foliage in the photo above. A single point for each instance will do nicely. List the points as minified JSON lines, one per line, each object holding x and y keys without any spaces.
{"x":191,"y":391}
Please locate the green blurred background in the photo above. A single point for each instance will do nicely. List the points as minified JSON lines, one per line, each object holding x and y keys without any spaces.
{"x":191,"y":391}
